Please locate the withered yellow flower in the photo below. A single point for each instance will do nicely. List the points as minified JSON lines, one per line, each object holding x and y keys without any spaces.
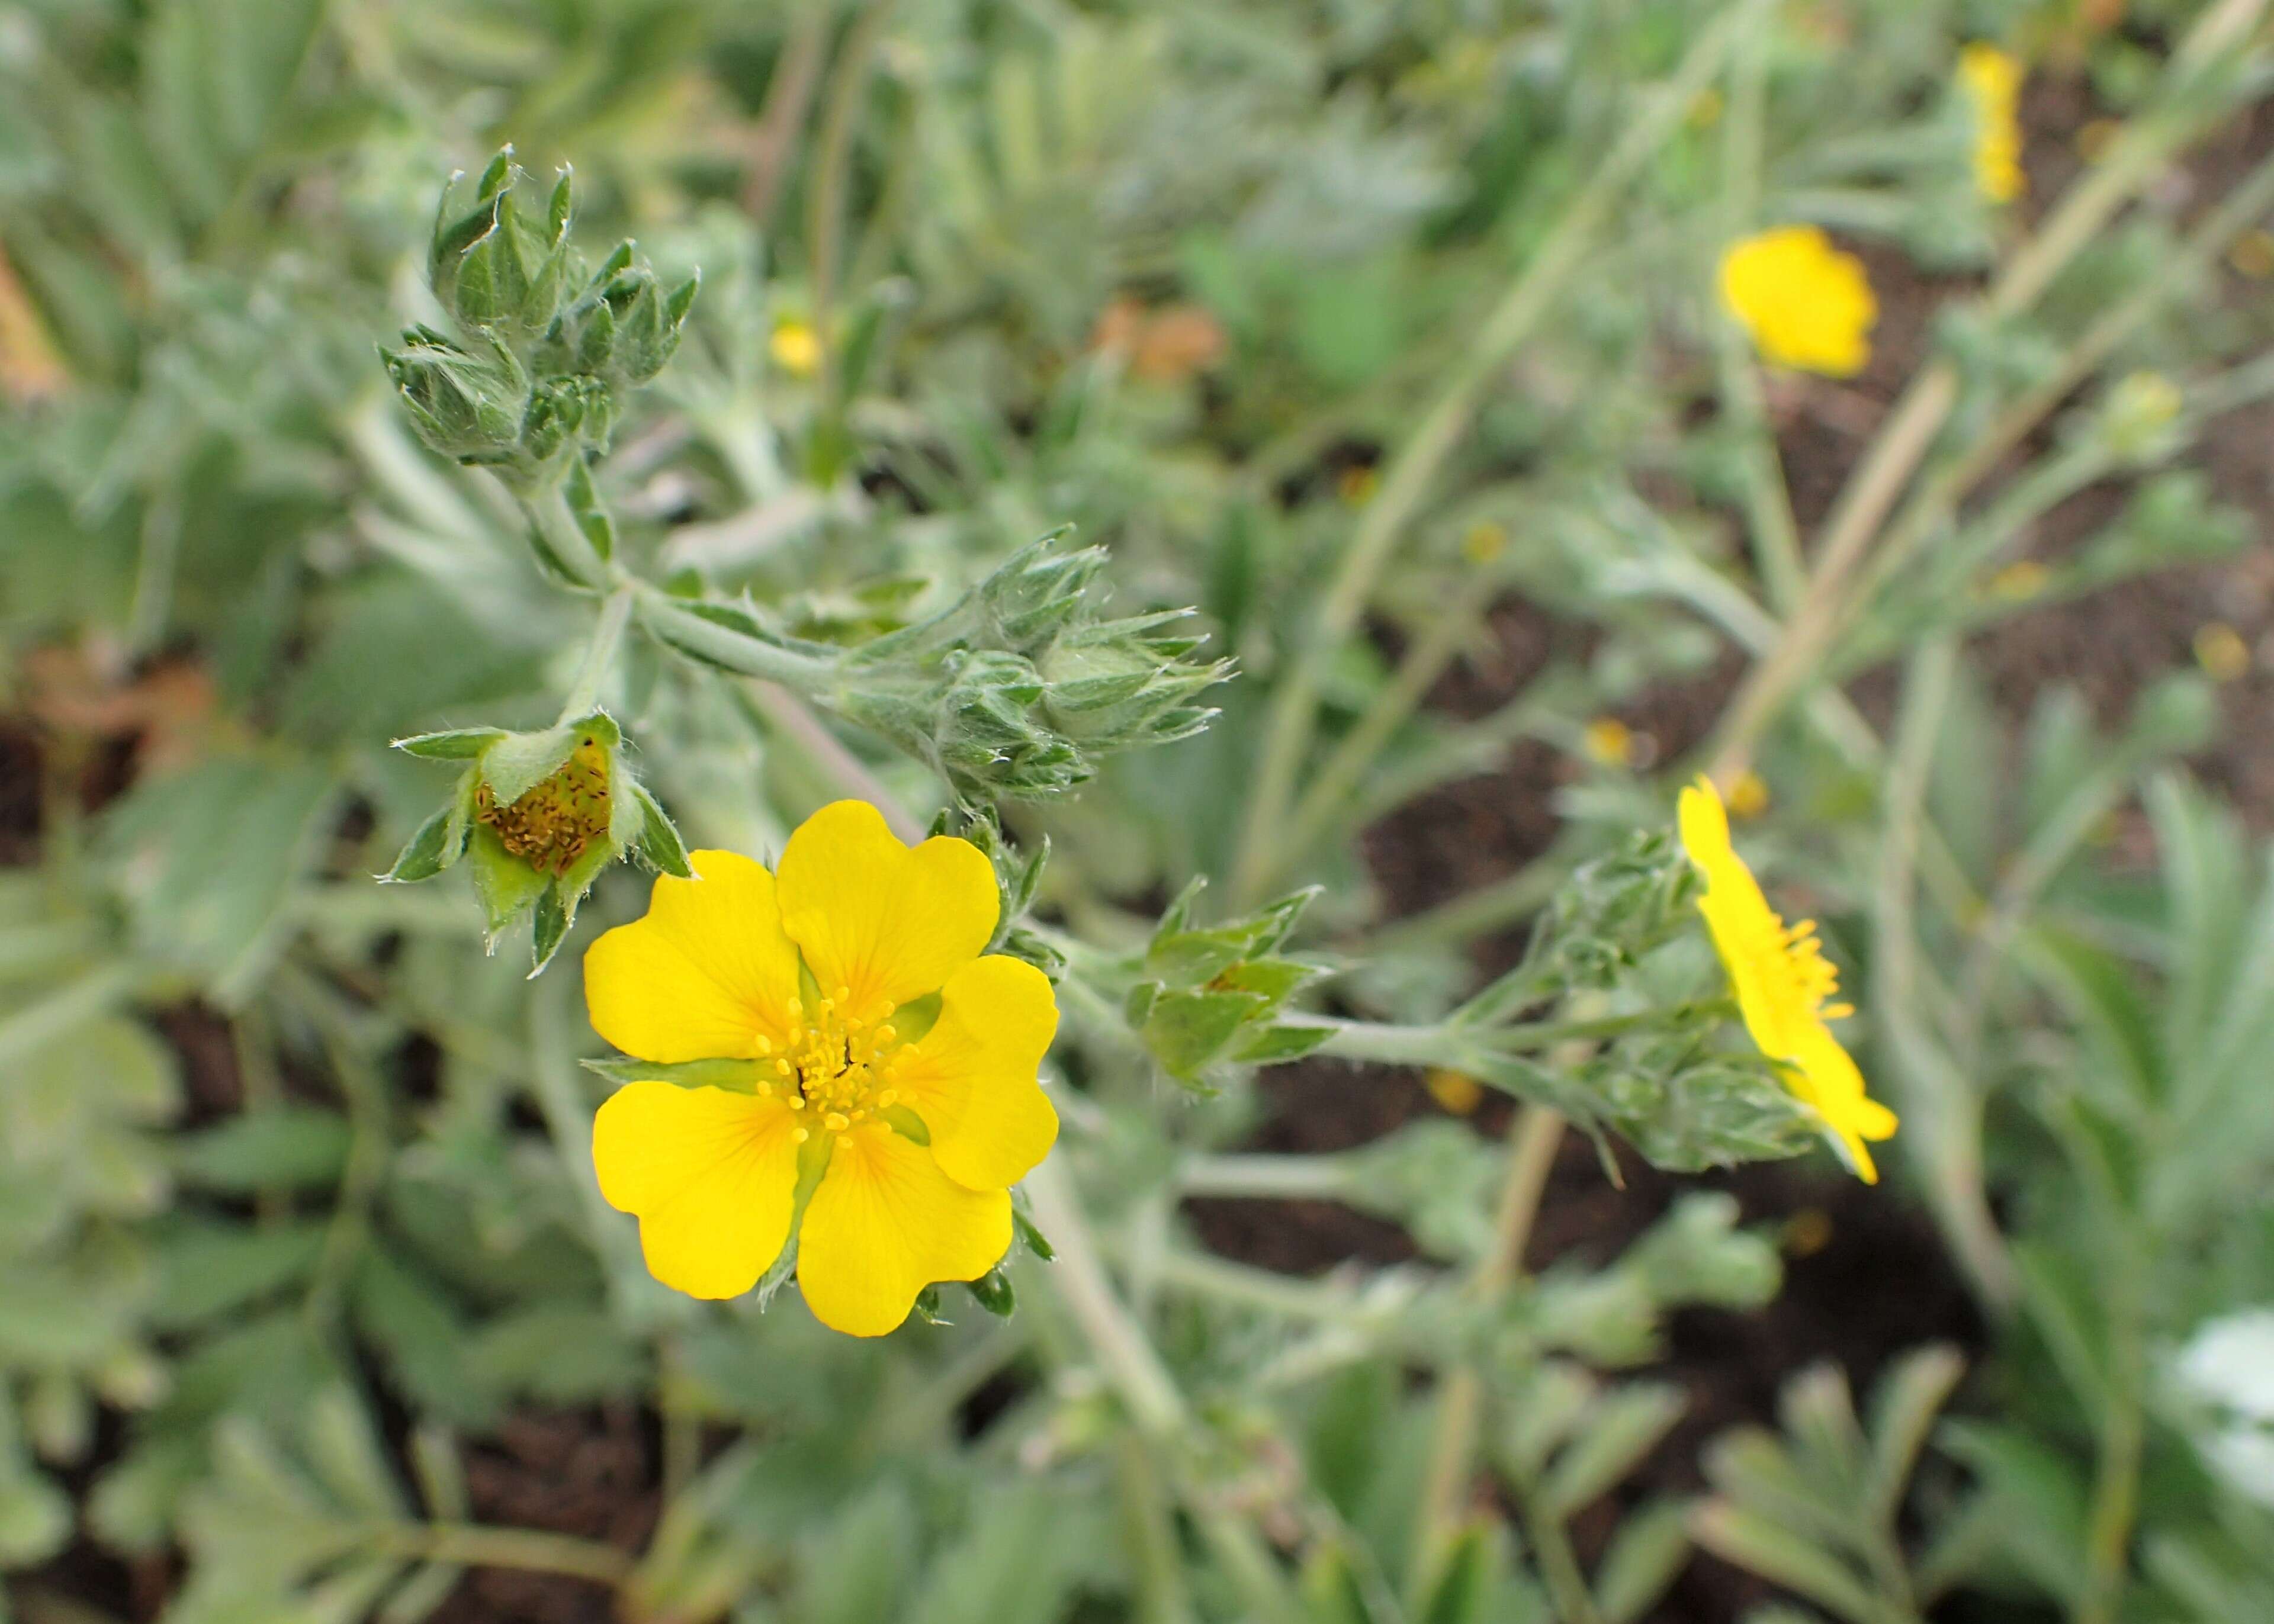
{"x":1783,"y":984}
{"x":1992,"y":83}
{"x":868,"y":1077}
{"x":1805,"y":303}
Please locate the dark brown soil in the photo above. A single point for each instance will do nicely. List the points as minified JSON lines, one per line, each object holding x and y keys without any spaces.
{"x":585,"y":1473}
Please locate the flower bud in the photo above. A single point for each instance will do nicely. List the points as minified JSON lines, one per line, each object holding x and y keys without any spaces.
{"x":539,"y":816}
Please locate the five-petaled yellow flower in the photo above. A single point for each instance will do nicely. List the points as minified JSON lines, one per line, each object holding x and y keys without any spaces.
{"x":879,"y":1070}
{"x":1782,"y":982}
{"x":1805,"y":303}
{"x":1993,"y":82}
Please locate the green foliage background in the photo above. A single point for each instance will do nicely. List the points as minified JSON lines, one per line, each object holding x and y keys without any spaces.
{"x":1347,"y":324}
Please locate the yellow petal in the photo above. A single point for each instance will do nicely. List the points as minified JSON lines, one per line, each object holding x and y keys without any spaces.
{"x":886,"y":1223}
{"x":1826,"y":1076}
{"x":1705,"y":825}
{"x":710,"y":1174}
{"x":707,"y":974}
{"x":972,"y":1077}
{"x":887,"y":922}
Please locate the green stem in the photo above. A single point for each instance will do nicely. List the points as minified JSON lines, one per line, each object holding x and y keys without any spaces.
{"x":1559,"y":1568}
{"x":1532,"y":1144}
{"x":466,"y":1544}
{"x":1355,"y":752}
{"x":599,"y":657}
{"x":1949,"y":1114}
{"x":548,"y":509}
{"x":154,"y":575}
{"x":1258,"y":1177}
{"x":825,"y":211}
{"x":672,"y":621}
{"x":1768,"y":503}
{"x":1294,"y":702}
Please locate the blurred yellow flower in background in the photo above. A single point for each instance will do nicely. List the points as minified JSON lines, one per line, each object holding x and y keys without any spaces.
{"x":1608,"y":741}
{"x":1805,"y":303}
{"x":1783,"y":983}
{"x":1456,"y":1091}
{"x":1749,"y":794}
{"x":2221,"y":652}
{"x":1992,"y":80}
{"x":795,"y":347}
{"x":869,"y":1076}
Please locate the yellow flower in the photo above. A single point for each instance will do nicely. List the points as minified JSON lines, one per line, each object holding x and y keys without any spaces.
{"x":1783,"y":983}
{"x":1805,"y":303}
{"x":1993,"y":82}
{"x":1608,"y":741}
{"x":2020,"y":581}
{"x":2252,"y":255}
{"x":2221,"y":652}
{"x":795,"y":347}
{"x":1456,"y":1091}
{"x":876,"y":1087}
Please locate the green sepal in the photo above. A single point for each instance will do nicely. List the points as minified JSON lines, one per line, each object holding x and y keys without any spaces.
{"x":660,"y":847}
{"x":734,"y":1076}
{"x":927,"y":1307}
{"x":556,"y":911}
{"x":506,"y":885}
{"x":1026,"y":1230}
{"x":994,"y":1293}
{"x":812,"y":1162}
{"x":907,"y":1124}
{"x":455,"y":744}
{"x":439,"y":842}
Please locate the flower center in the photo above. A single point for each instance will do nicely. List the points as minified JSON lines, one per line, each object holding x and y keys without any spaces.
{"x":1814,"y":979}
{"x":837,"y":1067}
{"x":557,"y":819}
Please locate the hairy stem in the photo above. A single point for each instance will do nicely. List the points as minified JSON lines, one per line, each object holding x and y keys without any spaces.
{"x":599,"y":657}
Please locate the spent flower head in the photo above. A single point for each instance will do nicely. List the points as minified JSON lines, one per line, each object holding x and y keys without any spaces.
{"x":1783,"y":983}
{"x":537,"y":815}
{"x":1805,"y":303}
{"x":827,"y":1066}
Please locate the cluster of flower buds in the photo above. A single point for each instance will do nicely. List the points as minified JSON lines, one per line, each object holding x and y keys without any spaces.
{"x":1020,"y":687}
{"x":1205,"y":1000}
{"x":549,"y":351}
{"x":538,"y":817}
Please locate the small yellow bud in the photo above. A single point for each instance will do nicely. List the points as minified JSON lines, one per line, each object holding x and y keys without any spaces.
{"x":1608,"y":741}
{"x":1485,"y":542}
{"x":2221,"y":652}
{"x":2020,"y":581}
{"x":1807,"y":1232}
{"x":1456,"y":1091}
{"x":2252,"y":255}
{"x":1749,"y":794}
{"x":795,"y":347}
